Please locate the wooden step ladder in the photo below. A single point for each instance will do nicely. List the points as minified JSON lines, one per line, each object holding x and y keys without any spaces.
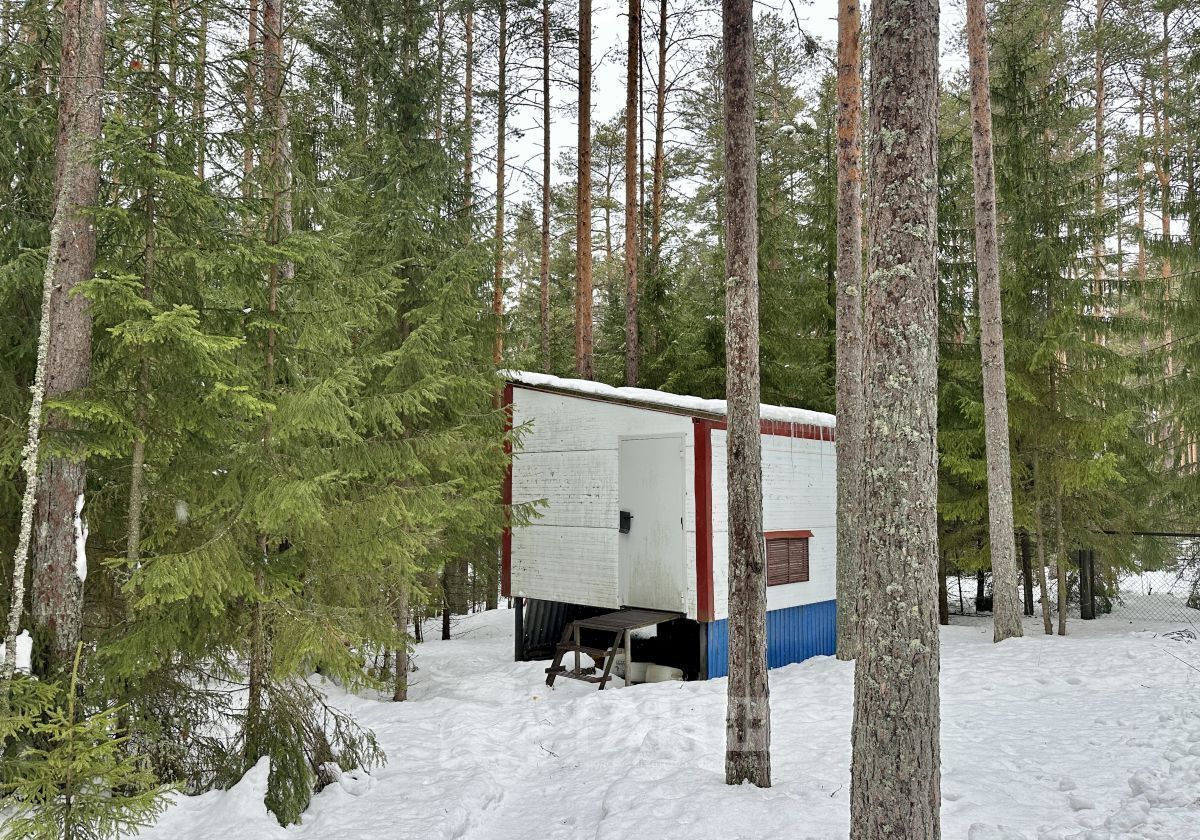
{"x":620,"y":624}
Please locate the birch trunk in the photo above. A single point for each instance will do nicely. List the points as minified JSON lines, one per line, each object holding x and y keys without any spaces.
{"x":895,"y":771}
{"x":632,"y":110}
{"x":748,"y":712}
{"x":57,"y":588}
{"x":544,"y":313}
{"x":584,"y":365}
{"x":1006,"y":615}
{"x":849,"y":321}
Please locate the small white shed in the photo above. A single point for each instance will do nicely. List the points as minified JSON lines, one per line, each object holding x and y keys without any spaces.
{"x":629,"y":486}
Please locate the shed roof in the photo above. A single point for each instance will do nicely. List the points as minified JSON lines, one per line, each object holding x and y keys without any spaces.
{"x":659,"y":400}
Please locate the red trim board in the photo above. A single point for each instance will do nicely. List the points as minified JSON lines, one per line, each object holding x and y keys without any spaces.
{"x":785,"y":428}
{"x":506,"y":539}
{"x":786,"y":535}
{"x":702,"y":430}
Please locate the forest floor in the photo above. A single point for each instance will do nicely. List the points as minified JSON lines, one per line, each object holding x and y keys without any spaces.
{"x":1094,"y":736}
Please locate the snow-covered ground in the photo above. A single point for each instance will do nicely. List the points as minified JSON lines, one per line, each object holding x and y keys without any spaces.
{"x":1095,"y":736}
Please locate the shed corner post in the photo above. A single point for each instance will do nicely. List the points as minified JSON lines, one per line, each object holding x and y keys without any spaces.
{"x":702,"y":430}
{"x":506,"y":500}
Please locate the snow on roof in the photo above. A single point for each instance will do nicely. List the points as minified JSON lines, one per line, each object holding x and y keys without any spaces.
{"x":660,"y":399}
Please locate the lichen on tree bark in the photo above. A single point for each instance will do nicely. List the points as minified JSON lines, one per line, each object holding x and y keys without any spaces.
{"x":1006,"y":614}
{"x":748,"y":716}
{"x":895,"y":773}
{"x":849,"y":319}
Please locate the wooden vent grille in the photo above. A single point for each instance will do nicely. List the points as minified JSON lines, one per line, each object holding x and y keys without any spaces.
{"x":787,"y":560}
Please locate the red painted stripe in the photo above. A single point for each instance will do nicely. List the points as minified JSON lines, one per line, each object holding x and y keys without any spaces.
{"x":506,"y":539}
{"x":704,"y":528}
{"x":785,"y":428}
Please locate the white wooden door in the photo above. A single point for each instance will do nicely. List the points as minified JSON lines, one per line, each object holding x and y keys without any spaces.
{"x":653,"y":556}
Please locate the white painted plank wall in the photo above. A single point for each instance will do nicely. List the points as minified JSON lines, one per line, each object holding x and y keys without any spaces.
{"x":567,"y":457}
{"x":799,"y":493}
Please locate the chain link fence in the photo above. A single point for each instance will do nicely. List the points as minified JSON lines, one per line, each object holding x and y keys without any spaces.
{"x":1169,"y":594}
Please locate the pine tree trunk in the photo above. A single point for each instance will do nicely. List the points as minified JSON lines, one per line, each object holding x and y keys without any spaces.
{"x":849,"y":322}
{"x":607,"y":284}
{"x":257,"y":671}
{"x":171,"y":105}
{"x":279,"y":225}
{"x":1162,"y":120}
{"x":1043,"y":583}
{"x":249,"y":93}
{"x":583,"y":210}
{"x":1060,"y":558}
{"x":544,"y":312}
{"x":660,"y":114}
{"x":469,"y":119}
{"x":57,"y":588}
{"x":1026,"y":574}
{"x":137,"y":467}
{"x":895,"y":772}
{"x":440,"y":102}
{"x":632,"y":110}
{"x":455,"y":592}
{"x":498,"y":273}
{"x":400,"y":686}
{"x":201,"y":92}
{"x":1006,"y":615}
{"x":491,"y":593}
{"x":501,"y":131}
{"x":943,"y":595}
{"x":748,"y":711}
{"x":77,"y":153}
{"x":1098,"y":241}
{"x":1141,"y":203}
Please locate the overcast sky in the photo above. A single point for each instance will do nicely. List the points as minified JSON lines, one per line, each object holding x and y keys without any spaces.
{"x":818,"y":18}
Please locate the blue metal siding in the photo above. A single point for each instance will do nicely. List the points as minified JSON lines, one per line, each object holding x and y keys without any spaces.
{"x":793,"y":635}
